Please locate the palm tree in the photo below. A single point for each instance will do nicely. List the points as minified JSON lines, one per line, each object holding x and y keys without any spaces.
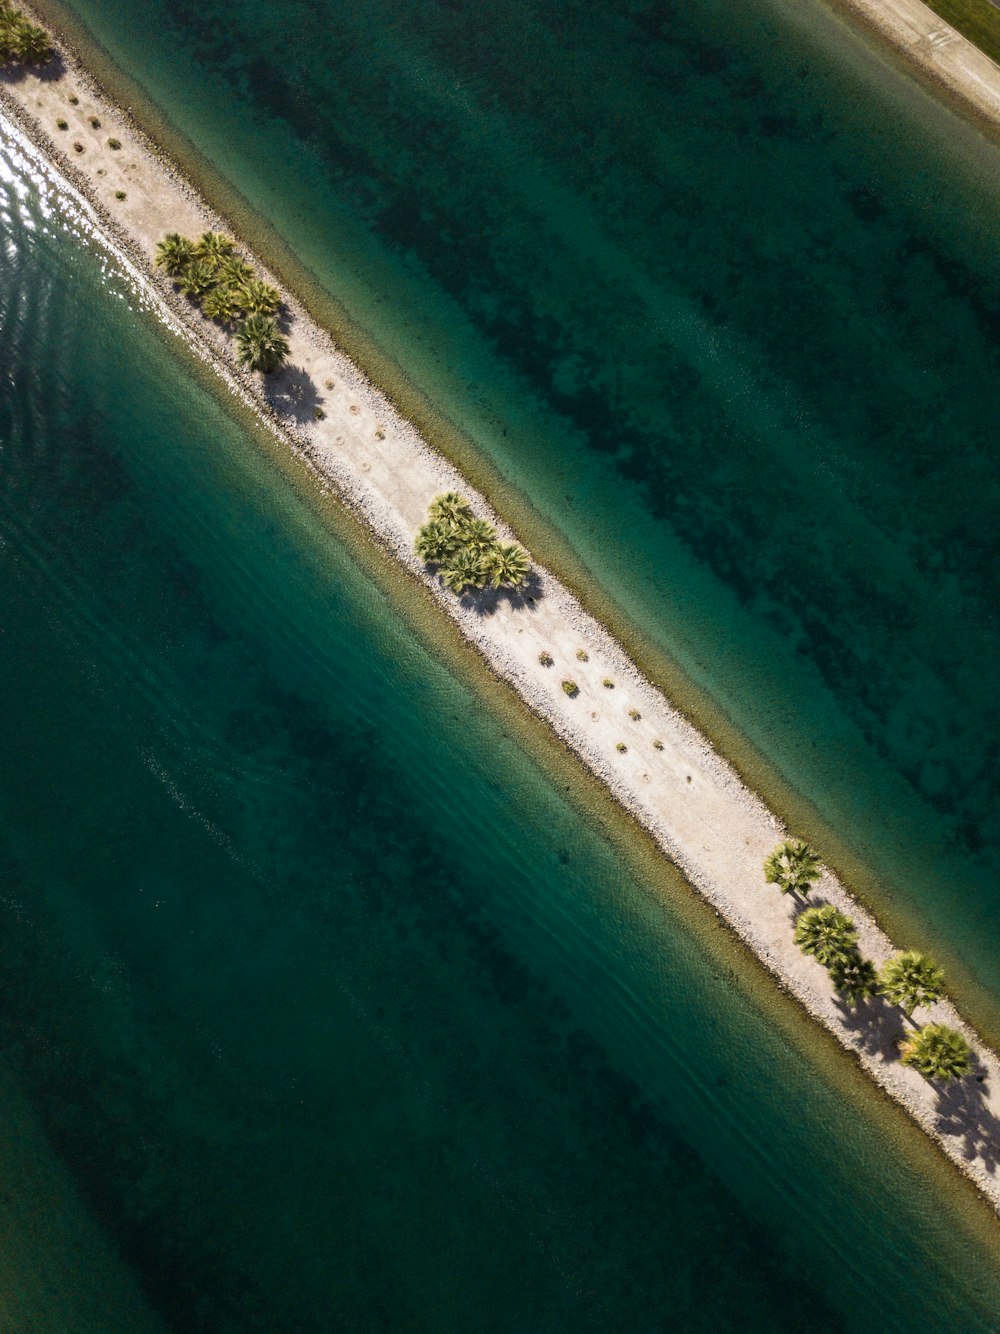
{"x":234,"y":272}
{"x":465,"y":570}
{"x":214,"y":248}
{"x":30,"y":44}
{"x":197,"y":279}
{"x":509,"y":564}
{"x":854,"y":977}
{"x":437,"y":541}
{"x":174,"y":253}
{"x":260,"y":345}
{"x":792,"y":866}
{"x":826,"y":934}
{"x":222,"y":304}
{"x":452,"y":508}
{"x":938,"y":1052}
{"x":259,"y":298}
{"x":479,"y":535}
{"x":911,"y":979}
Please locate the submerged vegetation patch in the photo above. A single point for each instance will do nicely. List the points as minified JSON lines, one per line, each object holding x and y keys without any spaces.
{"x":468,"y":549}
{"x":228,"y":290}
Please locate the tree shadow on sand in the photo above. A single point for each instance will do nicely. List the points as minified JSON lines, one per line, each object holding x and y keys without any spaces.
{"x":50,"y":72}
{"x":963,"y":1113}
{"x":877,"y":1027}
{"x":487,"y":601}
{"x":292,"y":393}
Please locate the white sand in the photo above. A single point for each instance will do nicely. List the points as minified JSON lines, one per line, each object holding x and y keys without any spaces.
{"x":940,"y":52}
{"x":691,"y":801}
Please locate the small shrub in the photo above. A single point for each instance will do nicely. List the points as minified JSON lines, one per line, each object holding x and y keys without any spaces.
{"x":546,"y":659}
{"x":571,"y":688}
{"x":114,"y":144}
{"x":78,"y":148}
{"x":583,"y":655}
{"x":657,"y":745}
{"x":621,"y":747}
{"x":634,"y":714}
{"x":63,"y":124}
{"x":319,"y":414}
{"x":74,"y":100}
{"x":120,"y":194}
{"x":608,"y":684}
{"x":95,"y":124}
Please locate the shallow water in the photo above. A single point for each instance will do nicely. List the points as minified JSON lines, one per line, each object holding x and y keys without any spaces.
{"x":718,"y":292}
{"x":337,"y":1010}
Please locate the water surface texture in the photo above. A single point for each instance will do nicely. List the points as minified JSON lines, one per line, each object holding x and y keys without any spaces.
{"x":337,"y":1012}
{"x":719,"y":292}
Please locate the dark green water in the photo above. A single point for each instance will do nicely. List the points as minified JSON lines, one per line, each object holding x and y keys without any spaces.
{"x":336,"y":1010}
{"x":718,"y":291}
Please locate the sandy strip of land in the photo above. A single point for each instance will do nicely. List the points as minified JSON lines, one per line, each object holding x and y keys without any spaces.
{"x":940,"y":52}
{"x":690,"y":799}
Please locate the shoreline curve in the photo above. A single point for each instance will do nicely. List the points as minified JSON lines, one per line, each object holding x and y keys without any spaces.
{"x":690,"y":800}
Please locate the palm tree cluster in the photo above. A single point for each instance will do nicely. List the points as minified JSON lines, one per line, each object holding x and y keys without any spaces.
{"x":21,"y":41}
{"x":211,"y":273}
{"x":909,"y":979}
{"x":468,"y":548}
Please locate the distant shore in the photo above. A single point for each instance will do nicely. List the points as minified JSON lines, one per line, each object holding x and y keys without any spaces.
{"x":945,"y":56}
{"x":689,"y":799}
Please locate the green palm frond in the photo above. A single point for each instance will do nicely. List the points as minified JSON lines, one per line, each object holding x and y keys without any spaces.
{"x":509,"y":564}
{"x":174,"y":253}
{"x":826,"y":933}
{"x":792,"y":866}
{"x":451,"y":508}
{"x":260,"y":344}
{"x":213,"y":248}
{"x":437,"y":541}
{"x":234,"y":272}
{"x":854,"y":977}
{"x":465,"y":570}
{"x":222,"y":304}
{"x":258,"y":298}
{"x":197,"y":279}
{"x":938,"y":1052}
{"x":911,"y":979}
{"x":479,"y":535}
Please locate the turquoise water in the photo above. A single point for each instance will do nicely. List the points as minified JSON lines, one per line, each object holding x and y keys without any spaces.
{"x":337,"y":1010}
{"x":718,"y":291}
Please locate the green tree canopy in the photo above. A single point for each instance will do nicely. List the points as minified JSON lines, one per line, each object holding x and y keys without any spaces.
{"x":222,"y":303}
{"x":792,"y":866}
{"x":213,"y":248}
{"x":938,"y":1052}
{"x":437,"y":541}
{"x":22,"y":40}
{"x":196,"y":279}
{"x":258,"y":298}
{"x":508,"y":564}
{"x":174,"y":253}
{"x":451,"y":507}
{"x":479,"y":535}
{"x":260,"y":344}
{"x":854,"y":977}
{"x":466,"y":569}
{"x":911,"y":979}
{"x":826,"y":933}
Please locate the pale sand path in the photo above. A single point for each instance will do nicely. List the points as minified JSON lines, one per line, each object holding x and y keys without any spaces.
{"x":691,"y":801}
{"x":941,"y":53}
